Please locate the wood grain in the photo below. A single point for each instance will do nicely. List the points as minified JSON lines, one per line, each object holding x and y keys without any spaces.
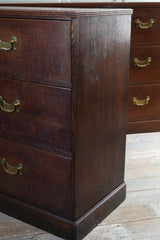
{"x":143,"y":38}
{"x":99,"y":107}
{"x":85,"y":4}
{"x":138,"y":216}
{"x":152,"y":110}
{"x":42,"y":52}
{"x":44,"y":120}
{"x":58,"y":13}
{"x":143,"y":126}
{"x":83,"y":123}
{"x":46,"y":182}
{"x":149,"y":74}
{"x":149,"y":36}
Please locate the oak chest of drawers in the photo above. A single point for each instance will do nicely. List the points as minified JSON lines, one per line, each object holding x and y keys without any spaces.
{"x":63,"y":95}
{"x":144,"y":78}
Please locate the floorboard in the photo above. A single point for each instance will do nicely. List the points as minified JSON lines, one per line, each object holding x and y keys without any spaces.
{"x":138,"y":218}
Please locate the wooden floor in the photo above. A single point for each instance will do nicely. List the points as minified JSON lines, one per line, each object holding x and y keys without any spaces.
{"x":138,"y":218}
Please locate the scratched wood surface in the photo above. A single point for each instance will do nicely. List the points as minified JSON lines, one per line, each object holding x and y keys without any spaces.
{"x":138,"y":218}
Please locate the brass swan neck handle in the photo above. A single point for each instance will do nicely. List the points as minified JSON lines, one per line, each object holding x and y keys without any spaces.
{"x":141,"y":64}
{"x":144,"y":25}
{"x":8,"y":46}
{"x":13,"y":170}
{"x":140,"y":102}
{"x":9,"y":107}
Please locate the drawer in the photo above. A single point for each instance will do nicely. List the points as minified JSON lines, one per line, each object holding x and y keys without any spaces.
{"x":44,"y":119}
{"x":149,"y":108}
{"x":45,"y":181}
{"x":150,"y":34}
{"x":145,"y":69}
{"x":42,"y":51}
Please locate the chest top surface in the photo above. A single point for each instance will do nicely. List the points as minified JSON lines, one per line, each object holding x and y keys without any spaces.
{"x":56,"y":13}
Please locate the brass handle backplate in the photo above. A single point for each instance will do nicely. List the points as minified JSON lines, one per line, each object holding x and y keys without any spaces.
{"x":8,"y":46}
{"x":142,"y":64}
{"x":9,"y":107}
{"x":140,"y":102}
{"x":17,"y":170}
{"x":144,"y":25}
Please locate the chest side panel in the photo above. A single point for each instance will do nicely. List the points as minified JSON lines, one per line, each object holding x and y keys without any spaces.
{"x":100,"y":81}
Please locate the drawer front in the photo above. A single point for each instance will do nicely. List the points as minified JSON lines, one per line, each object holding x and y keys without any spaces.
{"x":44,"y":180}
{"x":142,"y":108}
{"x":146,"y":31}
{"x":44,"y":119}
{"x":42,"y":51}
{"x":144,"y":65}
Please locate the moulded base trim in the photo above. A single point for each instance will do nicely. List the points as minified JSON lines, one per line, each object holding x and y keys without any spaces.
{"x":59,"y":226}
{"x":143,"y":126}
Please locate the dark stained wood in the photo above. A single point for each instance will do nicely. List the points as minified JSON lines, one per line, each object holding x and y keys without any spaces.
{"x":44,"y":120}
{"x":145,"y":43}
{"x":100,"y":83}
{"x":46,"y":180}
{"x":42,"y":54}
{"x":37,"y":217}
{"x":151,"y":110}
{"x":149,"y":74}
{"x":149,"y":36}
{"x":142,"y":38}
{"x":105,"y":206}
{"x":93,"y":108}
{"x":143,"y":126}
{"x":58,"y":13}
{"x":60,"y":226}
{"x":97,"y":4}
{"x":139,"y":214}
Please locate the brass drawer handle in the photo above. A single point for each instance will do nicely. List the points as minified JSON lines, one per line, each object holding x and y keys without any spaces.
{"x":8,"y":46}
{"x":9,"y":107}
{"x":140,"y":102}
{"x":17,"y":170}
{"x":145,"y":25}
{"x":142,"y":64}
